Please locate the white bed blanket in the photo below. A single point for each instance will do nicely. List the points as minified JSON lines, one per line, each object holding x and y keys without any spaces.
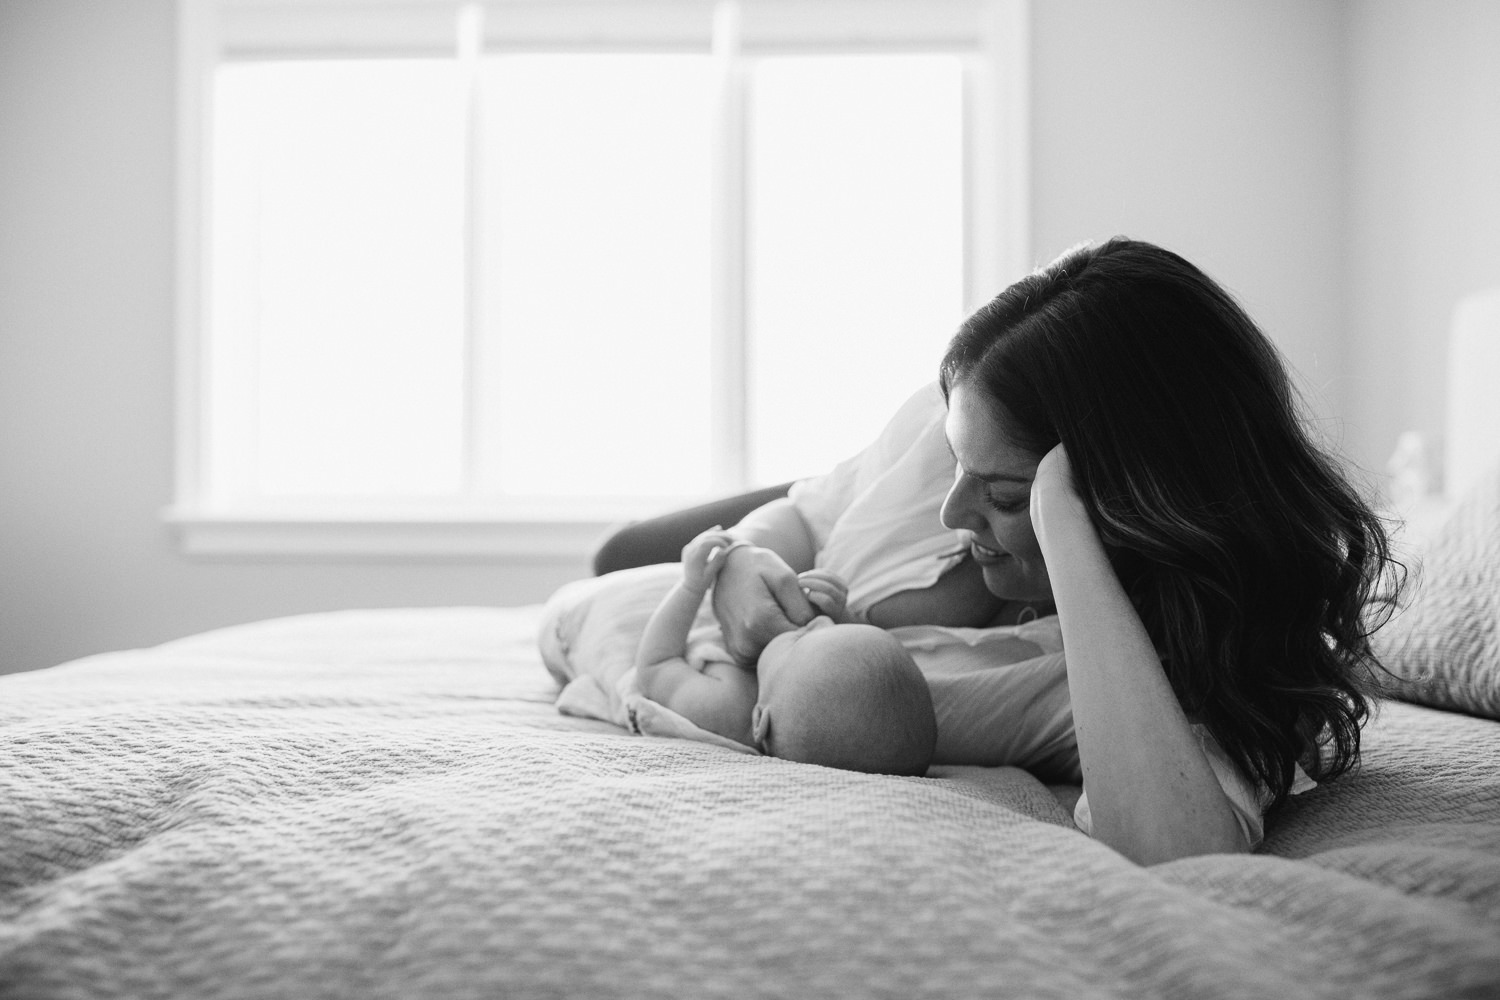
{"x":386,"y":804}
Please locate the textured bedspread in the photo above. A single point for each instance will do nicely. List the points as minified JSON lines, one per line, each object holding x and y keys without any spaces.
{"x":386,"y":804}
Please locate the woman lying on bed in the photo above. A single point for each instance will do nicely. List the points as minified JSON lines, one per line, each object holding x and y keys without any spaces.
{"x":1119,"y":444}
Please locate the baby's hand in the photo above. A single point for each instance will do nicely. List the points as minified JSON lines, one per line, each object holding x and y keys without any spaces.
{"x":702,"y":557}
{"x":827,"y":592}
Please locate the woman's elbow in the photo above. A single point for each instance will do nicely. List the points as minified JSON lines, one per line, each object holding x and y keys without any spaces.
{"x":1221,"y":835}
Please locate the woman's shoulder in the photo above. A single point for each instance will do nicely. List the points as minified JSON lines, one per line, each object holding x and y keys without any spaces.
{"x":906,"y":455}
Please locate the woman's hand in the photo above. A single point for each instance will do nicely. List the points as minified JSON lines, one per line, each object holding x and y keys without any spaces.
{"x":756,"y":598}
{"x":828,"y":593}
{"x":1054,"y":495}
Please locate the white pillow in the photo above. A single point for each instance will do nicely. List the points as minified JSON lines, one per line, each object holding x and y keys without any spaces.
{"x":1443,"y":647}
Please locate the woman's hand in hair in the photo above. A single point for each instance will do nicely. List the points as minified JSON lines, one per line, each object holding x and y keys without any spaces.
{"x":1054,"y":494}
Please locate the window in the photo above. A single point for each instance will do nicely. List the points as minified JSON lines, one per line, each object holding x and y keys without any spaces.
{"x":488,"y":277}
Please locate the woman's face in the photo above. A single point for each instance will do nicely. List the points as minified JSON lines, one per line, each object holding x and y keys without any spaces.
{"x":991,"y":499}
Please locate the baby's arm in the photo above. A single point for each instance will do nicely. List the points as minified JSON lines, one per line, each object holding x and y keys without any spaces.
{"x":667,"y":631}
{"x":718,"y":698}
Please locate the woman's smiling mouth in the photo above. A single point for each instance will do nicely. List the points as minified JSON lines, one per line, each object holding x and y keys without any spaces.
{"x":983,"y":553}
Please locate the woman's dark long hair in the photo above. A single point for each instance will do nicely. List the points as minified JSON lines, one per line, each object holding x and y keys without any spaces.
{"x":1255,"y":566}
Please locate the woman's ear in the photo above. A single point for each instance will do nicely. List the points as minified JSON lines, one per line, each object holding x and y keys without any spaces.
{"x":760,"y":725}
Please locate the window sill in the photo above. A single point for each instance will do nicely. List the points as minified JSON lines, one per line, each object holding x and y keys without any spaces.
{"x":530,"y":536}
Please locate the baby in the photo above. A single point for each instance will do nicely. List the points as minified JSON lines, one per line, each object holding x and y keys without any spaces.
{"x":831,"y":692}
{"x":999,"y":694}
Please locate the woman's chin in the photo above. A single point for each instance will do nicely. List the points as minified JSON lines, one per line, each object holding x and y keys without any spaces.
{"x":1007,"y":580}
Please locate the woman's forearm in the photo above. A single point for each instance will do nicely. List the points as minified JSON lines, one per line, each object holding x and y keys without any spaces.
{"x":1152,"y":794}
{"x":779,"y":526}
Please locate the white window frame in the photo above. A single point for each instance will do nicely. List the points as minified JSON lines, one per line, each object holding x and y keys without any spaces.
{"x":994,"y":35}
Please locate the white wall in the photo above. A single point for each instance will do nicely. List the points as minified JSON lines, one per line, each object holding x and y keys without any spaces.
{"x":1216,"y":129}
{"x":86,"y":355}
{"x":1424,"y":196}
{"x":1213,"y":129}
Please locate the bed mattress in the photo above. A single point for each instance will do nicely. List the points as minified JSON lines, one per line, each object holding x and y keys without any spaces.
{"x":385,"y":803}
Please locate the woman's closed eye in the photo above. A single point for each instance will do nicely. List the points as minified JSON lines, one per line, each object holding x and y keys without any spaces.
{"x":1008,"y":504}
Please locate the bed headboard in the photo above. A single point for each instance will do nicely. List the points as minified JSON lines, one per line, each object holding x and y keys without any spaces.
{"x":1472,"y":430}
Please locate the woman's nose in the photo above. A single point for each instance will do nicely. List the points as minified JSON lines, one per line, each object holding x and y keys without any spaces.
{"x":958,"y":506}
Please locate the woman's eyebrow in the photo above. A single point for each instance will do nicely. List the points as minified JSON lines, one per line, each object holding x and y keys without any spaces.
{"x":1001,"y":478}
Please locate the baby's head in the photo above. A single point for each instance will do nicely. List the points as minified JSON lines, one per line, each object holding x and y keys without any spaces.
{"x":844,"y":696}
